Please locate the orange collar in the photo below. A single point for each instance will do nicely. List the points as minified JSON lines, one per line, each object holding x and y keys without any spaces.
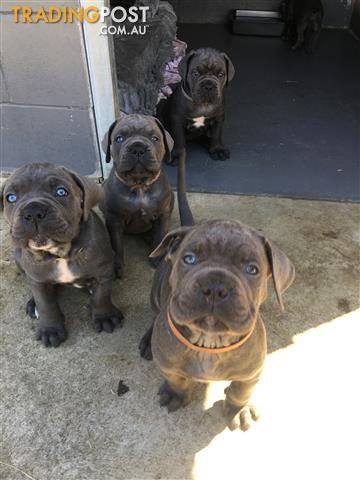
{"x":137,"y":186}
{"x":188,"y":344}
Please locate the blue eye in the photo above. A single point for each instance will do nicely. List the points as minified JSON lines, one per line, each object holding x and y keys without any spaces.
{"x":61,"y":192}
{"x":190,"y":259}
{"x":119,"y":139}
{"x":11,"y":198}
{"x":252,"y":269}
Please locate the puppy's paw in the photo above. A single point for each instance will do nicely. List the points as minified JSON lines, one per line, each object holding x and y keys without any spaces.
{"x":171,"y":399}
{"x":107,"y":322}
{"x":51,"y":336}
{"x":145,"y":346}
{"x":219,"y":153}
{"x":31,"y":308}
{"x":241,"y":418}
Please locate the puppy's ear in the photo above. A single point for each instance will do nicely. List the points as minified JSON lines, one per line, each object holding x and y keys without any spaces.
{"x":170,"y":243}
{"x":168,"y":141}
{"x":92,"y":193}
{"x":230,"y":69}
{"x":106,"y":142}
{"x":184,"y":65}
{"x":282,"y":270}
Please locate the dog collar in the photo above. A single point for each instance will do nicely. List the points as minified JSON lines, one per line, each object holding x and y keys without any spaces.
{"x":137,"y":187}
{"x":182,"y":339}
{"x":186,"y":95}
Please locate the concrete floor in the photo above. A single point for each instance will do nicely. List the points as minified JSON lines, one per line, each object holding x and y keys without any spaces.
{"x":63,"y":420}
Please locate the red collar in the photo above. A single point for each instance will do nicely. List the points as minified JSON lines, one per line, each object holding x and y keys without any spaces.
{"x":188,"y":344}
{"x":137,"y":186}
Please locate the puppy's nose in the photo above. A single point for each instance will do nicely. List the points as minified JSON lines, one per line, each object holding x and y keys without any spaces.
{"x":208,"y":86}
{"x":34,"y":212}
{"x":215,"y":291}
{"x":137,"y":149}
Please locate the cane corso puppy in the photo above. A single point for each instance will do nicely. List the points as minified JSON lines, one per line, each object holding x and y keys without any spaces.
{"x":138,"y":196}
{"x":207,"y":294}
{"x":196,"y":107}
{"x":59,"y":240}
{"x":303,"y":20}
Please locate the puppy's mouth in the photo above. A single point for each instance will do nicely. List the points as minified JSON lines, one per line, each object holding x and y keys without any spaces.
{"x":136,"y":178}
{"x":44,"y":244}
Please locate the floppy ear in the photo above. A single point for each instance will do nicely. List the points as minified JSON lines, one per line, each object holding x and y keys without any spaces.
{"x":184,"y":65}
{"x":92,"y":192}
{"x":168,"y":141}
{"x":170,"y":243}
{"x":282,"y":270}
{"x":230,"y":69}
{"x":106,"y":142}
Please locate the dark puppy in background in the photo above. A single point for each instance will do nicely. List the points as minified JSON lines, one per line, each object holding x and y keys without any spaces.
{"x":59,"y":240}
{"x":207,"y":294}
{"x":138,"y":198}
{"x":303,"y":21}
{"x":196,"y":108}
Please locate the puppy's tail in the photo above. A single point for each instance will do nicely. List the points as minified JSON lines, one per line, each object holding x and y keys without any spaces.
{"x":186,"y":216}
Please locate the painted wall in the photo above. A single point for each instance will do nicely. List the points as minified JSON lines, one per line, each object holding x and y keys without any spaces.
{"x":337,"y":12}
{"x":45,"y":100}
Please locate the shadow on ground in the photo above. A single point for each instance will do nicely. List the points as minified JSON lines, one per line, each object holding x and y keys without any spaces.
{"x":63,"y":420}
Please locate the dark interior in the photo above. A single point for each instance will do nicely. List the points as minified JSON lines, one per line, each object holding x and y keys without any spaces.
{"x":292,"y":119}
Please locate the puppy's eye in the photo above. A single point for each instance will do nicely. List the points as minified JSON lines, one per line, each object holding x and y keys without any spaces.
{"x":11,"y":198}
{"x":195,"y":73}
{"x":252,"y":269}
{"x":220,"y":74}
{"x":119,"y":139}
{"x":190,"y":259}
{"x":154,"y":138}
{"x":61,"y":192}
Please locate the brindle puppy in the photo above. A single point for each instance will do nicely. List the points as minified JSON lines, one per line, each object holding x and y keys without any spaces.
{"x":196,"y":108}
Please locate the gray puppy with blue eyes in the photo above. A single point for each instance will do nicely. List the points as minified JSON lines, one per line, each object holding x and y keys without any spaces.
{"x":207,"y":295}
{"x":58,"y":239}
{"x":137,"y":195}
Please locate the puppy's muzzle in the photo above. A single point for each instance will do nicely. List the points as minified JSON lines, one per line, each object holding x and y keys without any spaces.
{"x":213,"y":290}
{"x":34,"y":213}
{"x":209,"y":89}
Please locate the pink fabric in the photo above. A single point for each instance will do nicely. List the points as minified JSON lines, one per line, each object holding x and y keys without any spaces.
{"x":171,"y":72}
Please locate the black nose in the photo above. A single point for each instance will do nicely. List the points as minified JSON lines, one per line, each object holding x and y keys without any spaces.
{"x":137,"y":149}
{"x":213,"y":290}
{"x":208,"y":86}
{"x":34,"y":212}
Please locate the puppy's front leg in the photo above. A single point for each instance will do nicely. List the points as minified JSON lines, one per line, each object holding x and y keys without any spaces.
{"x":237,"y":411}
{"x":158,"y":232}
{"x":116,"y":232}
{"x":175,"y":392}
{"x":217,"y":150}
{"x":105,"y":315}
{"x":51,"y":330}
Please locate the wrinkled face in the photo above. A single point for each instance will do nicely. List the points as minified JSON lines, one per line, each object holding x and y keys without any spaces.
{"x":206,"y":77}
{"x":43,"y":205}
{"x":138,"y":147}
{"x":219,"y":279}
